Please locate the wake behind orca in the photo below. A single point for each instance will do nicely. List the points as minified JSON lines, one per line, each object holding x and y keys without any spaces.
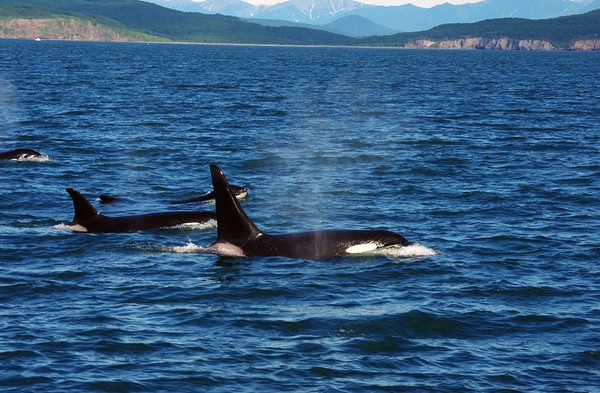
{"x":238,"y":236}
{"x":88,"y":219}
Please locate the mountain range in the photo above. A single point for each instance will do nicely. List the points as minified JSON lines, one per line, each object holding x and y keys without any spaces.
{"x":134,"y":20}
{"x":380,"y":20}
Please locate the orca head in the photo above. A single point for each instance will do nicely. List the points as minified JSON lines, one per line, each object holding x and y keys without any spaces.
{"x":105,"y":198}
{"x":85,"y":213}
{"x":240,"y":192}
{"x":234,"y":227}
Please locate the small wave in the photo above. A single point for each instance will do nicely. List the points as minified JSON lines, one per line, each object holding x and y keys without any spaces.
{"x":61,"y":226}
{"x":192,"y":225}
{"x":191,"y":248}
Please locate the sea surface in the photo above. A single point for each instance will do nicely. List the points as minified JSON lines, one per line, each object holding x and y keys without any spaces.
{"x":489,"y":161}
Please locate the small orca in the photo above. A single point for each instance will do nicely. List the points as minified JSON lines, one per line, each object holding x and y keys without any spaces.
{"x":105,"y":198}
{"x":88,"y":219}
{"x":240,"y":193}
{"x":19,"y":154}
{"x":238,"y":236}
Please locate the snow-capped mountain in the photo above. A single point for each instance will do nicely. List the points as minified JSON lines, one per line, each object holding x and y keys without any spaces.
{"x":396,"y":18}
{"x":310,"y":11}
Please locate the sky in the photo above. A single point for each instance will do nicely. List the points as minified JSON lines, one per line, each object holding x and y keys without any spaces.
{"x":419,"y":3}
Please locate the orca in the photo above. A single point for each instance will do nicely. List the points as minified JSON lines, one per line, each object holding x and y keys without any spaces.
{"x":240,"y":193}
{"x":88,"y":219}
{"x":19,"y":154}
{"x":105,"y":198}
{"x":238,"y":236}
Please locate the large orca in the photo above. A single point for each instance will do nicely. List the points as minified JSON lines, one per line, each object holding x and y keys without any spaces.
{"x":88,"y":219}
{"x":19,"y":154}
{"x":238,"y":236}
{"x":240,"y":193}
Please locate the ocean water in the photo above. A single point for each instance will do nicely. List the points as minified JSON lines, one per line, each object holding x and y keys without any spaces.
{"x":489,"y":161}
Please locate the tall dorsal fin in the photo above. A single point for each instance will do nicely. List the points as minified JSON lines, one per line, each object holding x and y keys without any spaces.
{"x":233,"y":224}
{"x":84,"y":211}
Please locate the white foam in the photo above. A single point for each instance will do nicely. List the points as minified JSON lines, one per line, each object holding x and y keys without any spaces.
{"x":223,"y":249}
{"x":191,"y":248}
{"x":198,"y":225}
{"x":414,"y":250}
{"x":41,"y":158}
{"x":66,"y":227}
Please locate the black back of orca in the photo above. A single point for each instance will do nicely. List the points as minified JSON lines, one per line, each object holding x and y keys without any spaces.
{"x":239,"y":236}
{"x":88,"y":219}
{"x":240,"y":192}
{"x":19,"y":154}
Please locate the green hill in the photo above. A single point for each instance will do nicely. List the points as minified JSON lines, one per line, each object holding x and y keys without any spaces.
{"x":174,"y":25}
{"x":558,"y":31}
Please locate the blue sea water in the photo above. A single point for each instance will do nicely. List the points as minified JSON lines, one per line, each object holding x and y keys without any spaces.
{"x":487,"y":160}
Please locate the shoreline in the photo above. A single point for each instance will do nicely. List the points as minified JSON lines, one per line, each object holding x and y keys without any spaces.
{"x":576,"y":46}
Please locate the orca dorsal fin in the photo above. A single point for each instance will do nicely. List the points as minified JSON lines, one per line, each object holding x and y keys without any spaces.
{"x":84,"y":211}
{"x":233,"y":225}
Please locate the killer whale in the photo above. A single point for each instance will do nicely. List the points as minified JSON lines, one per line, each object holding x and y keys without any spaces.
{"x":105,"y":198}
{"x":19,"y":154}
{"x":240,"y":193}
{"x":88,"y":219}
{"x":238,"y":236}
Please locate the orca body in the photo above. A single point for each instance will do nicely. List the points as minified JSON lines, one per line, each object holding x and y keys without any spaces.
{"x":240,"y":193}
{"x":238,"y":236}
{"x":88,"y":219}
{"x":19,"y":154}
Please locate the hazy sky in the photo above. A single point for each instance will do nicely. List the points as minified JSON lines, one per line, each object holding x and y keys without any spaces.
{"x":419,"y":3}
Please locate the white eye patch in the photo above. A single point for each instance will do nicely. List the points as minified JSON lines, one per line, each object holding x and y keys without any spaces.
{"x":361,"y":248}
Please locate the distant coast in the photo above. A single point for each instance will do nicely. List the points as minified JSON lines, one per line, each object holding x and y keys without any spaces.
{"x":137,"y":21}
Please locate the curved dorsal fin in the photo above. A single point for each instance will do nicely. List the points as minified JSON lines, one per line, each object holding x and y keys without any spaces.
{"x":233,"y":224}
{"x":84,"y":211}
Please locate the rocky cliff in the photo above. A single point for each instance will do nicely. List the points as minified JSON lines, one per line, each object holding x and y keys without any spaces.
{"x":584,"y":45}
{"x":85,"y":30}
{"x":484,"y":43}
{"x":502,"y":44}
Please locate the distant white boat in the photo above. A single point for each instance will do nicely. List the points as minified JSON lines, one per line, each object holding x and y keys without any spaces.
{"x":38,"y":39}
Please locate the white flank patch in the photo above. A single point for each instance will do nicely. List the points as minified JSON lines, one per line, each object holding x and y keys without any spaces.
{"x":361,"y":248}
{"x":242,"y":195}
